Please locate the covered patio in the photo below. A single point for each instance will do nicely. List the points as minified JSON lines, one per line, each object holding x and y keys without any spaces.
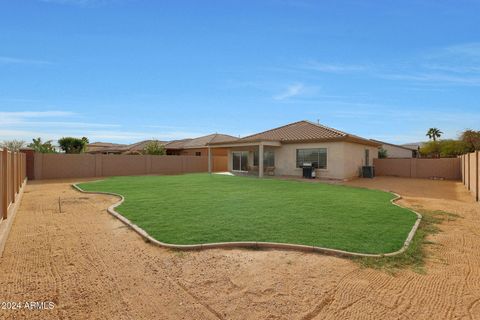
{"x":252,"y":157}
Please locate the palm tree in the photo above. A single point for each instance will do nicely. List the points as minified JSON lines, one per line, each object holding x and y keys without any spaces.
{"x":434,"y":133}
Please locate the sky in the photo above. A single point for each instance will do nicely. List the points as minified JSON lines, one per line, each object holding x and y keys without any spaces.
{"x":127,"y":70}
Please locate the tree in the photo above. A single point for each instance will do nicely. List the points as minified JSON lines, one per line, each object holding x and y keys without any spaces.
{"x":472,"y":139}
{"x":382,"y":153}
{"x":13,"y":145}
{"x":73,"y":145}
{"x":444,"y":148}
{"x":154,"y":147}
{"x":434,"y":133}
{"x":42,"y":147}
{"x":430,"y":149}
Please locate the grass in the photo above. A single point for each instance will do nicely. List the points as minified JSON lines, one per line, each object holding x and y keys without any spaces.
{"x":414,"y":257}
{"x":203,"y":208}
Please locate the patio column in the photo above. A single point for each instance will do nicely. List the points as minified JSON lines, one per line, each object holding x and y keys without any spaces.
{"x":260,"y":160}
{"x":209,"y":160}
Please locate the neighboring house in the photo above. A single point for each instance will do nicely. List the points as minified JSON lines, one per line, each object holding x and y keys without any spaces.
{"x":186,"y":147}
{"x":397,"y":151}
{"x":414,"y":146}
{"x":334,"y":154}
{"x":199,"y":146}
{"x":99,"y":147}
{"x":115,"y":148}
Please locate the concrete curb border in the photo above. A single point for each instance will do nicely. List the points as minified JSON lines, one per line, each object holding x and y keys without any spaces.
{"x":254,"y":244}
{"x":6,"y":226}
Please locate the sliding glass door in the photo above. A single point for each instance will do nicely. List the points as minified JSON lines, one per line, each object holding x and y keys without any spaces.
{"x":240,"y":160}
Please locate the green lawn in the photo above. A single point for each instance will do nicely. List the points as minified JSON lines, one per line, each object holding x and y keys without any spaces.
{"x":203,"y":208}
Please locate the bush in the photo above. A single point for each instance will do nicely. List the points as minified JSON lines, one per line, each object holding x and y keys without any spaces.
{"x":382,"y":153}
{"x":154,"y":147}
{"x":73,"y":145}
{"x":12,"y":145}
{"x":443,"y":148}
{"x":42,"y":147}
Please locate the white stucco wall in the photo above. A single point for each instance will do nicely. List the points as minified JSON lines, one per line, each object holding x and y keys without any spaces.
{"x":395,"y":152}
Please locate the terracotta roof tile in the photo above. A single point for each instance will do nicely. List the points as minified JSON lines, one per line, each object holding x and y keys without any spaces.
{"x":303,"y":131}
{"x":200,"y":142}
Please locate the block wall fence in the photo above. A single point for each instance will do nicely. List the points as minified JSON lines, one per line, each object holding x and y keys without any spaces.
{"x":13,"y":174}
{"x":64,"y":166}
{"x":470,"y":173}
{"x":444,"y":168}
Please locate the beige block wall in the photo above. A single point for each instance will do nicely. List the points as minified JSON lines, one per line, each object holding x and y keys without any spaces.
{"x":447,"y":168}
{"x":59,"y":166}
{"x":395,"y":152}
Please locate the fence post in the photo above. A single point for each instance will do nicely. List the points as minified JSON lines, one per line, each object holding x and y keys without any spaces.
{"x":476,"y":171}
{"x":4,"y":183}
{"x":19,"y":171}
{"x":469,"y":178}
{"x":12,"y":175}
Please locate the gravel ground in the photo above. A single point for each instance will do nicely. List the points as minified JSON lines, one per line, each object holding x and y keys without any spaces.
{"x":93,"y":267}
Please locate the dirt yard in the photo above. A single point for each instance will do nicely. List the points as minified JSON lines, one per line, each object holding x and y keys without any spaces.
{"x":92,"y":267}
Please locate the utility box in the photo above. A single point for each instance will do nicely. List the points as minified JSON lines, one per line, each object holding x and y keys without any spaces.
{"x":368,"y":172}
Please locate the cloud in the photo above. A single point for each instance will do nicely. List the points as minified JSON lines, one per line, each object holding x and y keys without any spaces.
{"x":291,"y":91}
{"x":471,"y":49}
{"x":435,"y":78}
{"x":13,"y":60}
{"x":52,"y":125}
{"x":333,"y":68}
{"x":35,"y":114}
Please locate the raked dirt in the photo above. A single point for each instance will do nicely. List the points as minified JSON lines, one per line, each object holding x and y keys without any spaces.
{"x":93,"y":267}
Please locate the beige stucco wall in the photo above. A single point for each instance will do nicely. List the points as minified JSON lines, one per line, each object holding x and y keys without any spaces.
{"x":355,"y":158}
{"x":344,"y":159}
{"x":395,"y":152}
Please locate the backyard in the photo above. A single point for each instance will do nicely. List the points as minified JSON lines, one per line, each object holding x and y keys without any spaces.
{"x":93,"y":267}
{"x":202,"y":208}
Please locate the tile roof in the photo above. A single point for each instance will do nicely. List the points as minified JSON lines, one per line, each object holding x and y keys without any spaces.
{"x":200,"y":142}
{"x":303,"y":131}
{"x":102,"y":147}
{"x":395,"y":145}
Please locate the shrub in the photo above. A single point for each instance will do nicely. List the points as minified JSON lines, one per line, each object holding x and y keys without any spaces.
{"x":73,"y":145}
{"x":13,"y":145}
{"x":382,"y":153}
{"x":42,"y":147}
{"x":154,"y":147}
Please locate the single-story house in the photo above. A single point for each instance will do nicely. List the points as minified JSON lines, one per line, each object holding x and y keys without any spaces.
{"x":101,"y":147}
{"x":397,"y":151}
{"x":115,"y":148}
{"x":198,"y":146}
{"x":282,"y":151}
{"x":184,"y":147}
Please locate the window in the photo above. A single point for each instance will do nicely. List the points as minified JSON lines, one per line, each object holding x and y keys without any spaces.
{"x":318,"y":157}
{"x":367,"y":157}
{"x":198,"y":154}
{"x":268,"y":158}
